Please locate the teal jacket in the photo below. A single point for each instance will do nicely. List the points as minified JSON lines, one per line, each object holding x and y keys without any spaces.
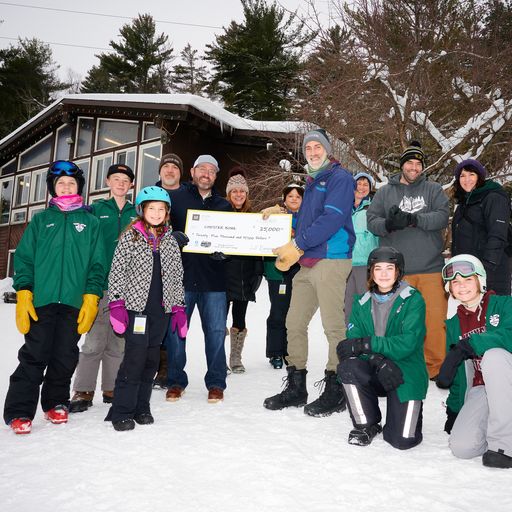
{"x":112,"y":223}
{"x":365,"y":240}
{"x":498,"y":323}
{"x":60,"y":257}
{"x":403,"y":342}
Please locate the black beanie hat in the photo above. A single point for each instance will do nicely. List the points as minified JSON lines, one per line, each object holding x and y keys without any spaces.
{"x":171,"y":158}
{"x":121,"y":169}
{"x":413,"y":152}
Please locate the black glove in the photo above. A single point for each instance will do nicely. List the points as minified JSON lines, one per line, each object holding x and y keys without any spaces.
{"x":397,"y":219}
{"x":458,"y":353}
{"x":413,"y":219}
{"x":181,"y":238}
{"x":451,"y":416}
{"x":388,"y":373}
{"x":353,"y":370}
{"x":218,"y":256}
{"x":353,"y":347}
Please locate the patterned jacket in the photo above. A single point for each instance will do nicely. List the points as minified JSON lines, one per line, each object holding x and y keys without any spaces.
{"x":132,"y":268}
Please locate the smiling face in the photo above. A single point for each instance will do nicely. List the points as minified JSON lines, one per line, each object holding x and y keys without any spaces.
{"x":362,"y":189}
{"x":237,"y":196}
{"x":411,"y":171}
{"x":468,"y":180}
{"x":315,"y":154}
{"x":170,"y":176}
{"x":465,"y":289}
{"x":65,"y":186}
{"x":384,"y":275}
{"x":203,"y":176}
{"x":155,"y":212}
{"x":292,"y":201}
{"x":119,"y":184}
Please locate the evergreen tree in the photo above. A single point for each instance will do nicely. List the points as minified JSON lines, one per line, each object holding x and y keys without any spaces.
{"x":256,"y":63}
{"x":28,"y":79}
{"x":139,"y":62}
{"x":189,"y":77}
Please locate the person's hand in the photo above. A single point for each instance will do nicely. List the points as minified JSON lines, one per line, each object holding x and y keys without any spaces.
{"x":388,"y":373}
{"x":218,"y":256}
{"x":353,"y":347}
{"x":179,"y":322}
{"x":458,"y":353}
{"x":396,"y":219}
{"x":25,"y":310}
{"x":451,"y":416}
{"x":287,"y":255}
{"x":87,"y":313}
{"x":118,"y":316}
{"x":271,"y":210}
{"x":180,"y":238}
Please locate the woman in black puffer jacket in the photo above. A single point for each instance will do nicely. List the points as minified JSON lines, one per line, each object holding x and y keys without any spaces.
{"x":481,"y":222}
{"x":243,"y":273}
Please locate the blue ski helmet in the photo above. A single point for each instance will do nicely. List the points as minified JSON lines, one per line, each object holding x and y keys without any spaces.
{"x":151,"y":194}
{"x":61,"y":168}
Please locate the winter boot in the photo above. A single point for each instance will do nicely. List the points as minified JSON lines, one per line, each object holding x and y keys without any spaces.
{"x":498,"y":459}
{"x":144,"y":418}
{"x":363,"y":436}
{"x":108,"y":397}
{"x":123,"y":425}
{"x":276,"y":362}
{"x":294,"y":394}
{"x":331,"y":400}
{"x":237,"y":345}
{"x":81,"y":401}
{"x":161,"y":377}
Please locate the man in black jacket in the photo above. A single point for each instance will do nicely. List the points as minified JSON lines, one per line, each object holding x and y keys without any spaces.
{"x":204,"y":282}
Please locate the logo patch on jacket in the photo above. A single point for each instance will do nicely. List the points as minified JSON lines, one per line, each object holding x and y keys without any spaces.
{"x":412,"y":204}
{"x":79,"y":226}
{"x":494,"y":320}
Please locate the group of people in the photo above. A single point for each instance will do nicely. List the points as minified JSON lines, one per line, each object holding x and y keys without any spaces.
{"x":372,"y":263}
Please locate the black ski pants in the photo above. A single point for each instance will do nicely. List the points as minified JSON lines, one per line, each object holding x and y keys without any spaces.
{"x":49,"y":357}
{"x":276,"y":321}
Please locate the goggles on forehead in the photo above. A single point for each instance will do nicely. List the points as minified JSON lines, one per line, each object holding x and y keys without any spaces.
{"x":63,"y":168}
{"x":463,"y":268}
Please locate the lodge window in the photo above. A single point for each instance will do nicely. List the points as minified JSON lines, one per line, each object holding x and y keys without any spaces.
{"x":19,"y":216}
{"x":38,"y":154}
{"x":126,"y":157}
{"x":116,"y":133}
{"x":6,"y":187}
{"x":9,"y":168}
{"x":100,"y":167}
{"x":149,"y":159}
{"x":85,"y":166}
{"x":21,"y":189}
{"x":150,"y":131}
{"x":62,"y":143}
{"x":84,"y":130}
{"x":38,"y":186}
{"x":35,"y":209}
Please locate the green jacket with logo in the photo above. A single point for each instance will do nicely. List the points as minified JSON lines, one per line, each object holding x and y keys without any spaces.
{"x":498,"y":334}
{"x":60,"y":257}
{"x":403,"y":342}
{"x":112,"y":223}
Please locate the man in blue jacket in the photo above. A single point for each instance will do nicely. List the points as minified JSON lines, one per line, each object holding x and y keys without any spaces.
{"x":324,"y":238}
{"x":205,"y":285}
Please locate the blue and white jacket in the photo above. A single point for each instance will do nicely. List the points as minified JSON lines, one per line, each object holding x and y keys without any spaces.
{"x":324,"y":224}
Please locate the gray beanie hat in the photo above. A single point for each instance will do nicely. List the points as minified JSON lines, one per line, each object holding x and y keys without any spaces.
{"x":320,"y":136}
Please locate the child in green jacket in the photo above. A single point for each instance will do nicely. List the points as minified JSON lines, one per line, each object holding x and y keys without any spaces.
{"x":383,"y":355}
{"x":478,"y":366}
{"x":59,"y":274}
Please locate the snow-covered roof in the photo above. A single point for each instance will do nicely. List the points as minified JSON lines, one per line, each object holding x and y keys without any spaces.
{"x":226,"y":119}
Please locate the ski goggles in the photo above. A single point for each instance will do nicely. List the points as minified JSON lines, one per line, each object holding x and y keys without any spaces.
{"x":63,"y":168}
{"x":463,"y":268}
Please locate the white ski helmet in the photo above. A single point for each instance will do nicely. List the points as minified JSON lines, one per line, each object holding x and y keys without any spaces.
{"x":465,"y":265}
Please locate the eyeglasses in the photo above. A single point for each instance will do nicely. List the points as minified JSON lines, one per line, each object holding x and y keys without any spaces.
{"x":463,"y":268}
{"x":202,"y":170}
{"x":63,"y":168}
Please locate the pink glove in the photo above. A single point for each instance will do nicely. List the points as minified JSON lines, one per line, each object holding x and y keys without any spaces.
{"x":118,"y":316}
{"x":179,"y":321}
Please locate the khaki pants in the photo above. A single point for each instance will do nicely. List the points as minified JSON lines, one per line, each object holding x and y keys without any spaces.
{"x":321,"y":286}
{"x":432,"y":289}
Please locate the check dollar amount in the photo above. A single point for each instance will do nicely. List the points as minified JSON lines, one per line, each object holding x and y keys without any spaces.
{"x":236,"y":233}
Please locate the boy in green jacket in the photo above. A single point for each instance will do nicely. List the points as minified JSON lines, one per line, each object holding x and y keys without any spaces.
{"x":101,"y":344}
{"x":383,"y":355}
{"x":59,"y":269}
{"x":478,"y":366}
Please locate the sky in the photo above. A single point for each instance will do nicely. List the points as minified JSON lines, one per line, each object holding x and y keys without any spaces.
{"x":194,"y":21}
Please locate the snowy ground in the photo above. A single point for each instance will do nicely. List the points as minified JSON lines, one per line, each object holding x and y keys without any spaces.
{"x":235,"y":455}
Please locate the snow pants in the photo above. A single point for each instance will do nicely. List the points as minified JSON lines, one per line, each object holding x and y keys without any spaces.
{"x":485,"y":420}
{"x":321,"y":286}
{"x":134,"y":382}
{"x":432,"y":290}
{"x":101,"y":345}
{"x":280,"y":294}
{"x":48,"y":357}
{"x":404,"y":420}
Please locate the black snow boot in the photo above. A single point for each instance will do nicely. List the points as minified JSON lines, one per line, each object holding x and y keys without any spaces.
{"x":294,"y":394}
{"x":331,"y":400}
{"x":363,"y":436}
{"x":498,"y":459}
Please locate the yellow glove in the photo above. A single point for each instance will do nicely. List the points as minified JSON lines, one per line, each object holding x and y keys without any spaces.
{"x":287,"y":255}
{"x":88,"y":313}
{"x":267,"y":212}
{"x":25,"y":310}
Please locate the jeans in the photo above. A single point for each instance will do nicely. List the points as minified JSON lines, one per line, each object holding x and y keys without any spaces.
{"x":213,"y":312}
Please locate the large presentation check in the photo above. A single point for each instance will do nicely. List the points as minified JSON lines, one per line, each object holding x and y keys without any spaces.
{"x":236,"y":233}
